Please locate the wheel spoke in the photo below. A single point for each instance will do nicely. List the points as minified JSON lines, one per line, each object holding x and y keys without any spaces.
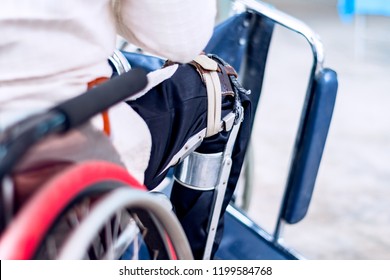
{"x":51,"y":246}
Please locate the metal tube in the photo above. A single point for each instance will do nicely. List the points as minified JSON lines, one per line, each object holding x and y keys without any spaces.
{"x":293,"y":24}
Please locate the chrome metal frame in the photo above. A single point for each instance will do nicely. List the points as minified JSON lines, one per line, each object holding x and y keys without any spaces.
{"x":120,"y":62}
{"x":317,"y":49}
{"x":293,"y":24}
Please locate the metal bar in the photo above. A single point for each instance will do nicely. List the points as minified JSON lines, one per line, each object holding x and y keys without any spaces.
{"x":220,"y":189}
{"x":293,"y":24}
{"x":317,"y":49}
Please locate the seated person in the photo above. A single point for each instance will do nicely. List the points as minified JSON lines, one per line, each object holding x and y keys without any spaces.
{"x":51,"y":52}
{"x":57,"y":50}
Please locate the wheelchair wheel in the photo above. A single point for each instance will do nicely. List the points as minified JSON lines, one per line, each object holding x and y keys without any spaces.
{"x":145,"y":212}
{"x":42,"y":226}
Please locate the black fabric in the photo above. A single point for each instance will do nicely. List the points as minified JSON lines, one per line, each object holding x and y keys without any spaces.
{"x":193,"y":207}
{"x":174,"y":111}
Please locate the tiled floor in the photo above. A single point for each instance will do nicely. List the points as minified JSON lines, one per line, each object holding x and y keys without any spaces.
{"x":349,"y":217}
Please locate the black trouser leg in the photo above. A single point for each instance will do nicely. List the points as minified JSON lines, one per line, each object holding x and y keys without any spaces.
{"x":174,"y":111}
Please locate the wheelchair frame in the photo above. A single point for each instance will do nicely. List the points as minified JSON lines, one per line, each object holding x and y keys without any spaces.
{"x":254,"y":27}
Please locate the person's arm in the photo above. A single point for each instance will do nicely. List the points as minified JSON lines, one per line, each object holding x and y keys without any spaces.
{"x":175,"y":29}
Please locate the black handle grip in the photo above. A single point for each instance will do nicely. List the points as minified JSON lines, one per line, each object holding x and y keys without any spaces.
{"x":81,"y":108}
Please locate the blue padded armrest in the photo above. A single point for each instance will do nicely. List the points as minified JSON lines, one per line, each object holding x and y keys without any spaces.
{"x":309,"y":146}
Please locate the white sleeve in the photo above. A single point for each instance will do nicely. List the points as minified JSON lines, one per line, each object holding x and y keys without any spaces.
{"x":175,"y":29}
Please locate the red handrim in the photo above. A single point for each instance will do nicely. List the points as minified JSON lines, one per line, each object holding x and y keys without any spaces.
{"x":22,"y":238}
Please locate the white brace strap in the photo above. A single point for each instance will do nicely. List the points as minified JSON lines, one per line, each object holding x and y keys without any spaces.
{"x":214,"y":122}
{"x":214,"y":94}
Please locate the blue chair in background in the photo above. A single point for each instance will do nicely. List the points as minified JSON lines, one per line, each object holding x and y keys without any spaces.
{"x":358,"y":12}
{"x":348,"y":8}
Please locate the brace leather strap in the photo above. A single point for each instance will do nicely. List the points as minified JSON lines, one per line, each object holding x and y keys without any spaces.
{"x":208,"y":70}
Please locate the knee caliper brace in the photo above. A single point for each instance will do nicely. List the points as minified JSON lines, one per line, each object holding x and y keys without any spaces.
{"x":205,"y":172}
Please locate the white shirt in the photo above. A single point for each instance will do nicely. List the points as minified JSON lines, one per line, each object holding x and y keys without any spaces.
{"x":50,"y":50}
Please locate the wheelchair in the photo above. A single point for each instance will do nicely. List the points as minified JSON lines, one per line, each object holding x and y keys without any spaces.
{"x":97,"y":210}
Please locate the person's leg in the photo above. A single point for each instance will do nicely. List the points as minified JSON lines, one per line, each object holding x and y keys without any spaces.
{"x":174,"y":111}
{"x":193,"y":206}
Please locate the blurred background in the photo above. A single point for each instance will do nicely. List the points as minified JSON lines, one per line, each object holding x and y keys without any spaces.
{"x":349,"y":217}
